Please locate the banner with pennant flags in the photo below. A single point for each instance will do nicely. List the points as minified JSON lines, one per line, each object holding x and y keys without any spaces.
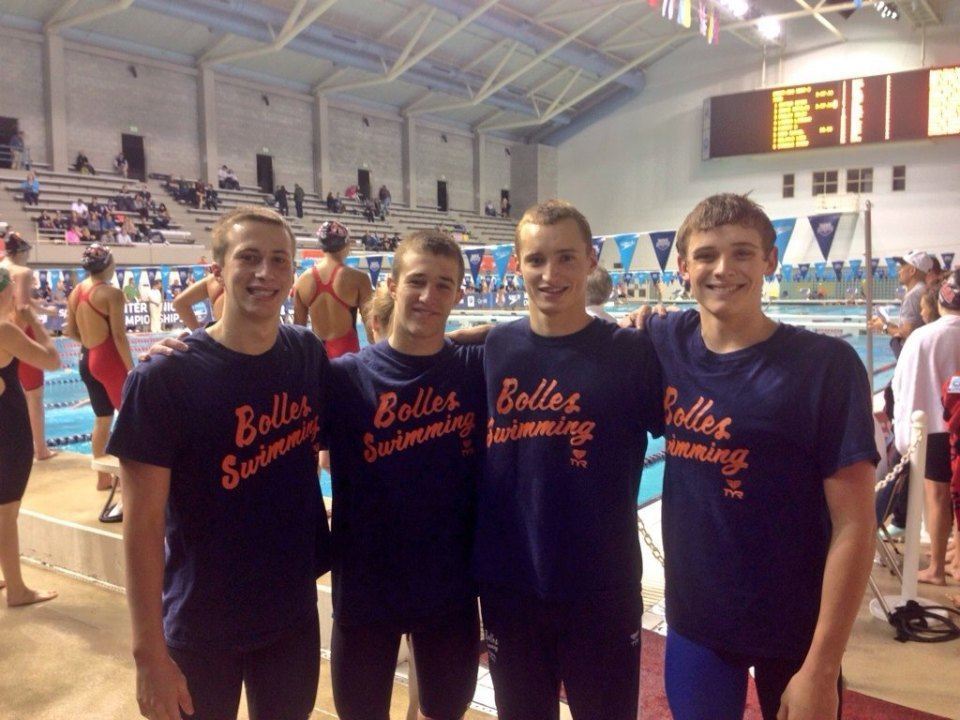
{"x":891,"y":266}
{"x":787,"y":271}
{"x":598,"y":246}
{"x":662,"y":245}
{"x":784,"y":229}
{"x":824,"y":230}
{"x":819,"y":270}
{"x":874,"y":265}
{"x":838,"y":268}
{"x":948,"y":260}
{"x":501,"y":258}
{"x":627,"y":244}
{"x":855,"y":269}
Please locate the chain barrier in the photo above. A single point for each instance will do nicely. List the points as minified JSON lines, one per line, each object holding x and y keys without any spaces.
{"x":900,"y":466}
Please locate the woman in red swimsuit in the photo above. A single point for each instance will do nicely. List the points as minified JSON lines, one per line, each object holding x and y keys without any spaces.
{"x":95,"y":318}
{"x":331,"y":293}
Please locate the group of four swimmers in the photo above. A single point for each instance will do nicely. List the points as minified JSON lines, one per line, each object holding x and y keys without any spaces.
{"x":507,"y":469}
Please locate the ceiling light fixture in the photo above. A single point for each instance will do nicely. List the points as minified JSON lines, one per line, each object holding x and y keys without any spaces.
{"x":769,"y":28}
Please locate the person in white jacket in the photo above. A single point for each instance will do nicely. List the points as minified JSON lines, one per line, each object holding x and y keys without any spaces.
{"x":930,"y":356}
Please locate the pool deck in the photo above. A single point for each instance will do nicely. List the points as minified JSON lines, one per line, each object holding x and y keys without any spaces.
{"x":69,"y":658}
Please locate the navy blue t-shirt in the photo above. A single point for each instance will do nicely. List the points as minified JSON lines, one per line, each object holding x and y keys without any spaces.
{"x":246,"y":533}
{"x":751,"y":436}
{"x":405,"y":437}
{"x":566,"y":436}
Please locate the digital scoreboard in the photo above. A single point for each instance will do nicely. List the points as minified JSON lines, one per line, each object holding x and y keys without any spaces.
{"x":911,"y":105}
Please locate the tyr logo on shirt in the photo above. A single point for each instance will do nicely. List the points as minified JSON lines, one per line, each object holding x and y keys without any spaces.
{"x":249,"y":428}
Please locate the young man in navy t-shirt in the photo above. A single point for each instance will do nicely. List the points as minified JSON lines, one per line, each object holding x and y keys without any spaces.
{"x":570,"y":401}
{"x":768,"y":525}
{"x":405,"y":433}
{"x":226,"y":528}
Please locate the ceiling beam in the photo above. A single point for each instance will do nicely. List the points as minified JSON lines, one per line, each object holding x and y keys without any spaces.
{"x":414,"y":39}
{"x":291,"y":28}
{"x":610,"y":44}
{"x":820,"y":18}
{"x":793,"y":14}
{"x":433,"y":45}
{"x":481,"y":96}
{"x":64,"y":23}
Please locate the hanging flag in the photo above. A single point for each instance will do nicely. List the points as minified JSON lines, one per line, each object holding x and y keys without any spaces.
{"x":702,"y":18}
{"x":198,"y":273}
{"x":819,"y":270}
{"x":662,"y":244}
{"x":501,"y":258}
{"x":165,"y":278}
{"x":838,"y":268}
{"x":598,"y":246}
{"x":804,"y":269}
{"x":947,"y":260}
{"x":374,"y":264}
{"x":891,"y":266}
{"x":121,"y":274}
{"x":668,"y":276}
{"x":824,"y":230}
{"x":353,"y":262}
{"x":713,"y":27}
{"x":784,"y":229}
{"x":683,"y":13}
{"x":627,"y":245}
{"x":655,"y":277}
{"x":874,"y":265}
{"x":787,"y":271}
{"x":184,"y":273}
{"x":855,"y":268}
{"x":669,"y":6}
{"x":474,"y":258}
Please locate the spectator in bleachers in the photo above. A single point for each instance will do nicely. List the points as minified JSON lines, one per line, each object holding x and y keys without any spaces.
{"x":369,"y":210}
{"x":298,"y":195}
{"x":45,"y":221}
{"x":31,"y":189}
{"x":211,"y":198}
{"x":17,"y":149}
{"x":129,"y":229}
{"x":331,"y":202}
{"x":162,"y":218}
{"x":227,"y":179}
{"x":85,"y":236}
{"x":489,"y":210}
{"x":93,"y":226}
{"x":124,"y":200}
{"x":505,"y":207}
{"x":80,"y":209}
{"x":70,"y":234}
{"x":82,"y":164}
{"x":121,"y":165}
{"x":283,"y":205}
{"x":121,"y":238}
{"x":385,"y":200}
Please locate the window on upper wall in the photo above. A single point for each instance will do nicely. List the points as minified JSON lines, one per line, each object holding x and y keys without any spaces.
{"x":789,"y":185}
{"x":899,"y":178}
{"x":860,"y":180}
{"x":825,"y":182}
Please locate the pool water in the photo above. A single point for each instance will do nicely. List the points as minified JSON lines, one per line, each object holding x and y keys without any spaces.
{"x":70,"y":419}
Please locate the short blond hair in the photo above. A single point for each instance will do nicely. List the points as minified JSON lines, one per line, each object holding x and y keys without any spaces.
{"x":220,"y":239}
{"x":552,"y":212}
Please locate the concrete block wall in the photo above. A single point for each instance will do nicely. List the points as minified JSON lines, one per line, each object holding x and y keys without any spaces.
{"x":496,"y":168}
{"x":436,"y":159}
{"x":353,"y":145}
{"x":21,"y":90}
{"x":246,"y":125}
{"x":104,"y":100}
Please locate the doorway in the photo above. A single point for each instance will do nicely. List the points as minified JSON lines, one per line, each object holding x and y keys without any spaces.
{"x":132,"y":147}
{"x":265,"y":173}
{"x":442,"y":195}
{"x":8,"y":128}
{"x":363,"y":183}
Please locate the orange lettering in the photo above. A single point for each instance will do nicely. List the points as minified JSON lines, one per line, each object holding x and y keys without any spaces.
{"x":246,"y":433}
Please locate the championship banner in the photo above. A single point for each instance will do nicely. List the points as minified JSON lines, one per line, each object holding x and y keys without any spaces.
{"x":787,"y":271}
{"x":824,"y":230}
{"x":474,"y":258}
{"x":874,"y":266}
{"x":891,"y":267}
{"x":662,"y":245}
{"x":784,"y":228}
{"x":838,"y":268}
{"x":501,"y":257}
{"x":947,"y":260}
{"x":374,"y":264}
{"x":855,"y":269}
{"x":819,"y":270}
{"x":597,"y":246}
{"x":353,"y":262}
{"x":627,"y":244}
{"x":803,"y":269}
{"x":152,"y":275}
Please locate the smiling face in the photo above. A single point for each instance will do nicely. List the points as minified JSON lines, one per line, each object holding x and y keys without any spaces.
{"x":257,"y":271}
{"x":555,"y":262}
{"x":424,"y":291}
{"x":725,"y":268}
